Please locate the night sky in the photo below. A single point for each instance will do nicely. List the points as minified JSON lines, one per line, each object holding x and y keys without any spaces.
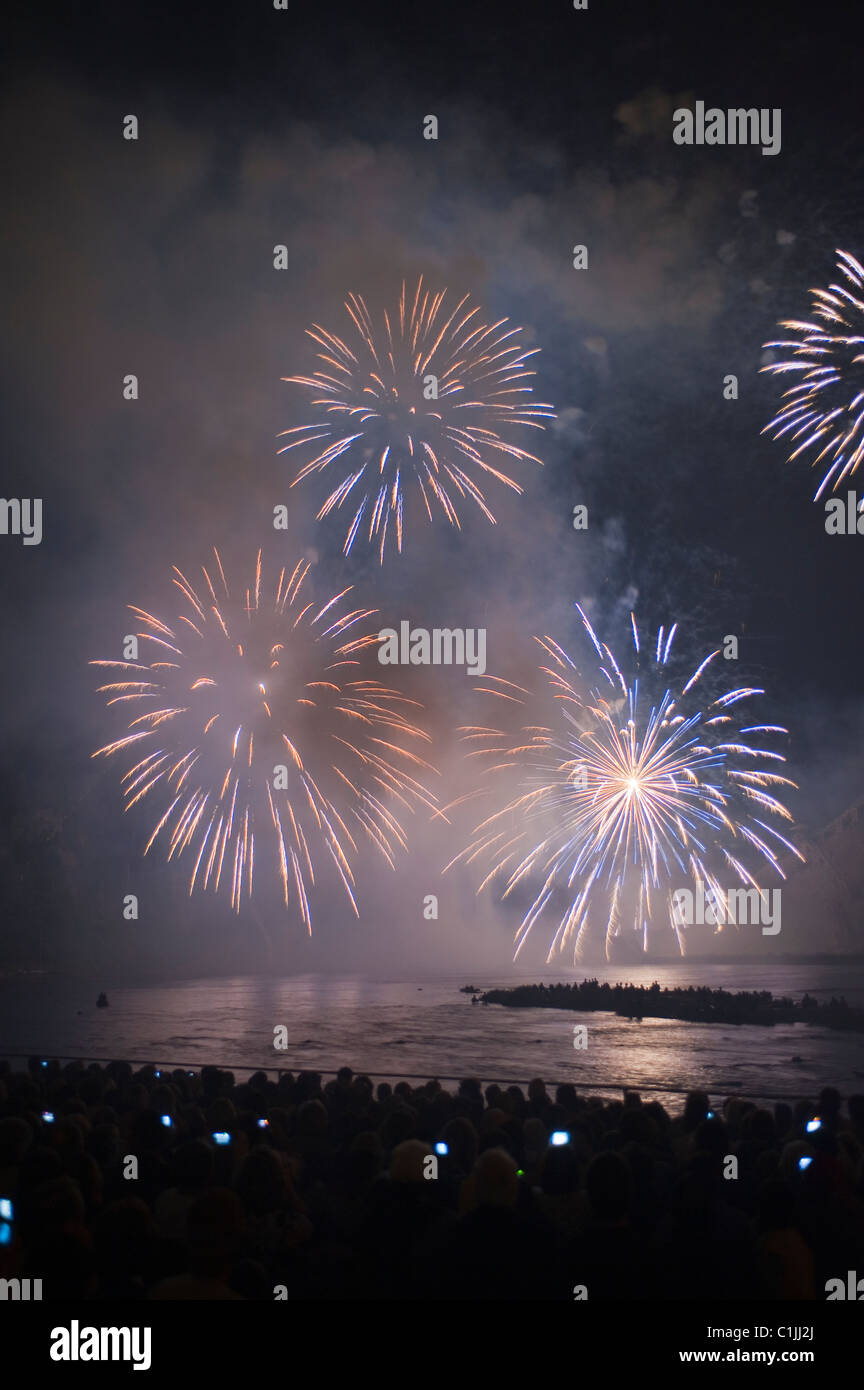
{"x":304,"y":127}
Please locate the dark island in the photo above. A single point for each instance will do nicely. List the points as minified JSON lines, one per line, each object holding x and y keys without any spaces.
{"x":695,"y":1004}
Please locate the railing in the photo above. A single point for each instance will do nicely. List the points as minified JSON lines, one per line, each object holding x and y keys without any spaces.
{"x":386,"y":1074}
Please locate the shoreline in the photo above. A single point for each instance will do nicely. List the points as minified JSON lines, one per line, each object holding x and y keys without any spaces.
{"x":691,"y":1004}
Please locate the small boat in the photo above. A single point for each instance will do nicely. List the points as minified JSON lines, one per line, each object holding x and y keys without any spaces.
{"x":102,"y":1001}
{"x":475,"y":1000}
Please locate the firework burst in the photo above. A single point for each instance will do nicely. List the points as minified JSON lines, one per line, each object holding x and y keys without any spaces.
{"x":426,"y":403}
{"x":823,"y":410}
{"x":631,"y":791}
{"x":253,"y":725}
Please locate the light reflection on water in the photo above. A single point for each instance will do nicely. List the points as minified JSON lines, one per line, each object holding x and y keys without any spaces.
{"x":425,"y":1027}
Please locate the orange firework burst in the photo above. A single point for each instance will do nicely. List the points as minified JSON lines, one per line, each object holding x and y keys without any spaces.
{"x":425,"y":400}
{"x":254,"y":724}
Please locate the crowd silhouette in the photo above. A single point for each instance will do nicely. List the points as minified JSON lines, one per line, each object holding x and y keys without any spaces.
{"x":134,"y":1185}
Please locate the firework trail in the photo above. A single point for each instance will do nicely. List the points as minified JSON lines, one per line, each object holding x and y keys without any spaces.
{"x":422,"y":403}
{"x":252,"y":724}
{"x":632,"y":790}
{"x":823,"y":412}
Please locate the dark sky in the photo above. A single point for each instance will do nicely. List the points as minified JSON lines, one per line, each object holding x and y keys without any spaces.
{"x":304,"y":128}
